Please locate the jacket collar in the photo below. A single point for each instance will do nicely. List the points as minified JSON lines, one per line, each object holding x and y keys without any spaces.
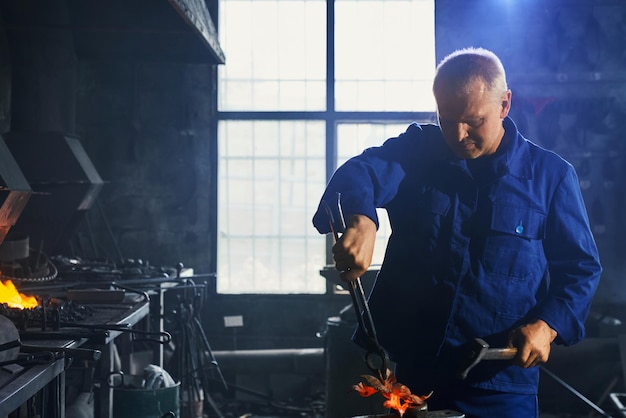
{"x":513,"y":155}
{"x":517,"y":161}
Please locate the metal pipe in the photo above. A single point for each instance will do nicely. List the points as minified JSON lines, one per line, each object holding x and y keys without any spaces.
{"x":307,"y":360}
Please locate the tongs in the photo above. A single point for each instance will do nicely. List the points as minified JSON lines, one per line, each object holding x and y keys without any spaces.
{"x":376,"y":358}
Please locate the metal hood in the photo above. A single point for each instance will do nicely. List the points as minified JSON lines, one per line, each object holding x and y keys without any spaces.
{"x":14,"y":190}
{"x":159,"y":30}
{"x":65,"y":186}
{"x":180,"y":31}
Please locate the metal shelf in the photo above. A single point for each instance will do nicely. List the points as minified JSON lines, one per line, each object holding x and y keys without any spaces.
{"x":17,"y":388}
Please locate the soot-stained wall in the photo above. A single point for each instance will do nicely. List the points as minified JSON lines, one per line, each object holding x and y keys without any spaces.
{"x":148,"y":129}
{"x":147,"y":125}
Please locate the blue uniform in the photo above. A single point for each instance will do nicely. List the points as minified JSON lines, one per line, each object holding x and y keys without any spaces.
{"x":478,"y":248}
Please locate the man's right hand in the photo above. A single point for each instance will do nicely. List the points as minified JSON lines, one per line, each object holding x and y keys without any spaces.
{"x":353,"y":252}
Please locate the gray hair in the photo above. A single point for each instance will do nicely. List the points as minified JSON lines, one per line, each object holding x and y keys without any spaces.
{"x":461,"y":67}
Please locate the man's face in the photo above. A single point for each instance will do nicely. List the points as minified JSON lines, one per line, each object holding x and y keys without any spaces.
{"x":471,"y":122}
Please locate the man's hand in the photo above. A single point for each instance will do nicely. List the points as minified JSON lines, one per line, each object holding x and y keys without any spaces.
{"x":533,"y":343}
{"x":353,"y":252}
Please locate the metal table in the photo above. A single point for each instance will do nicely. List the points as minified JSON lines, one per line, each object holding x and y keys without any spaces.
{"x":18,"y":385}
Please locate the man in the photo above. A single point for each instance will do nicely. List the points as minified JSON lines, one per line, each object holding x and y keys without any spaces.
{"x":490,"y":238}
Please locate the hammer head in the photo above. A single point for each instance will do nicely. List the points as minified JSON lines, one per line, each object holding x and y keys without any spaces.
{"x":477,"y":351}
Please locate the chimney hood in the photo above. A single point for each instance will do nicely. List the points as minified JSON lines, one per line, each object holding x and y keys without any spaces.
{"x":64,"y":183}
{"x":155,"y":30}
{"x":14,"y":190}
{"x":179,"y":31}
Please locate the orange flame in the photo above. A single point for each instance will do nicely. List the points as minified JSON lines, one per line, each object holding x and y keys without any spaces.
{"x":395,"y":402}
{"x":14,"y":299}
{"x":399,"y":396}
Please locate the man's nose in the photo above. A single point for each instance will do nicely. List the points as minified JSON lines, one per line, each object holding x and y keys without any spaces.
{"x":461,"y":131}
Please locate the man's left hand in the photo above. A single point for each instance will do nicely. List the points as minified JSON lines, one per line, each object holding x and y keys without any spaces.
{"x":533,"y":343}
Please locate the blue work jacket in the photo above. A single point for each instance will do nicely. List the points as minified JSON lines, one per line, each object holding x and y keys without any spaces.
{"x":478,"y":248}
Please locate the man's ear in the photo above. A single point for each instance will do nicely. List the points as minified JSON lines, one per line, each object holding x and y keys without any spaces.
{"x":506,"y":104}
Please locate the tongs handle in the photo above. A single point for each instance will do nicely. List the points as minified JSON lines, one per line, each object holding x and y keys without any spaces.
{"x":376,"y":357}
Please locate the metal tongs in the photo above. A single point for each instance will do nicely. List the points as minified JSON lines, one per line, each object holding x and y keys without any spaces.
{"x":376,"y":358}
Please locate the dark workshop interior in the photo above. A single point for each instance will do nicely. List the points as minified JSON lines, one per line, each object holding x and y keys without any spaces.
{"x":120,"y":180}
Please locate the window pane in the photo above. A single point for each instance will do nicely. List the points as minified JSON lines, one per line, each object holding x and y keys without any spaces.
{"x":384,"y":55}
{"x":271,"y":176}
{"x":352,"y":139}
{"x":272,"y":173}
{"x":275,"y":55}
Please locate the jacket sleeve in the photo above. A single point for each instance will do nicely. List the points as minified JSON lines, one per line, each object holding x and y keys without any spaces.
{"x":368,"y":181}
{"x":573,"y":263}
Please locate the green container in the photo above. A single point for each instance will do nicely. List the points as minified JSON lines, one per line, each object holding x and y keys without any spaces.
{"x":131,"y":402}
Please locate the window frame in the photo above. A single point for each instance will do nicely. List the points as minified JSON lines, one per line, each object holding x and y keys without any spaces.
{"x":330,"y":117}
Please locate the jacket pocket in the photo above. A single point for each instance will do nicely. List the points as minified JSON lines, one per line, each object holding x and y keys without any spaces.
{"x":520,"y":222}
{"x":513,"y":245}
{"x":433,"y":202}
{"x":430,"y":217}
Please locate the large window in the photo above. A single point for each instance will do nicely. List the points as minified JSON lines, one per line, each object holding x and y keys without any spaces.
{"x":306,"y":85}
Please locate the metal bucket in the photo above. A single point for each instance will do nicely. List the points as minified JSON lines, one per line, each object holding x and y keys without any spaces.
{"x":344,"y":367}
{"x":132,"y":401}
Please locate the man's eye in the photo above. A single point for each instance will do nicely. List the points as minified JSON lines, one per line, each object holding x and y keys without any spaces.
{"x":475,"y":123}
{"x":471,"y":123}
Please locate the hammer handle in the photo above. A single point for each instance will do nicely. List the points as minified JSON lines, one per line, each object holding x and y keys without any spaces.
{"x":499,"y":353}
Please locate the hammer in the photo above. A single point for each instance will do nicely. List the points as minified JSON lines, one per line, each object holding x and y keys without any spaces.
{"x":480,"y":351}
